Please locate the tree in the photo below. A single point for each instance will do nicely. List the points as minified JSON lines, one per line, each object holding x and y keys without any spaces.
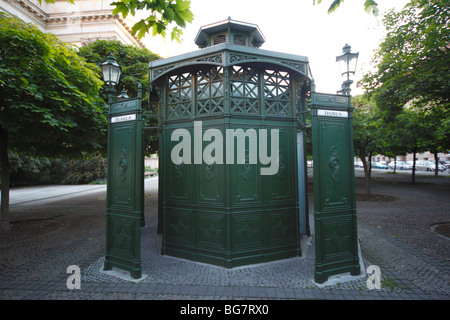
{"x":366,"y":138}
{"x":369,"y":5}
{"x":392,"y":142}
{"x":49,"y":103}
{"x":412,"y":63}
{"x":417,"y":130}
{"x":163,"y":13}
{"x":436,"y":121}
{"x":134,"y":62}
{"x":411,"y":81}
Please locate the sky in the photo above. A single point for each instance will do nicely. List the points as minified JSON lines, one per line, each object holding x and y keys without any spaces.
{"x":297,"y":27}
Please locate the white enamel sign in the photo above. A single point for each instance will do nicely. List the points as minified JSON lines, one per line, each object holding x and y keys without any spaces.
{"x":128,"y":117}
{"x":332,"y":113}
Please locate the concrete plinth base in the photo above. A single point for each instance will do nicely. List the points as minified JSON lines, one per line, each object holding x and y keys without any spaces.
{"x":121,"y":274}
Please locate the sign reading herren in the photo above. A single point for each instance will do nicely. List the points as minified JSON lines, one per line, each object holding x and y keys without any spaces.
{"x":128,"y":117}
{"x":124,"y":208}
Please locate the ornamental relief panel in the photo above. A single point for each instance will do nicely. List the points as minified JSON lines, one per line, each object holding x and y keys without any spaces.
{"x":334,"y":163}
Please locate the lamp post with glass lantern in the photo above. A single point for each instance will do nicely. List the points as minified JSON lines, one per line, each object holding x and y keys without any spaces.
{"x":111,"y":71}
{"x":347,"y":61}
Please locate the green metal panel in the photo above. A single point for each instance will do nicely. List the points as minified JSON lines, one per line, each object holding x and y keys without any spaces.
{"x":124,"y":187}
{"x":334,"y":187}
{"x":230,"y":214}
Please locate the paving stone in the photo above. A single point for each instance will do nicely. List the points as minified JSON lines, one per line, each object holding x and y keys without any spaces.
{"x":407,"y":273}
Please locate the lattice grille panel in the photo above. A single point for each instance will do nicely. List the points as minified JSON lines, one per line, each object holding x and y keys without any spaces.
{"x":277,"y":94}
{"x":210,"y":91}
{"x":244,"y":90}
{"x":179,"y":97}
{"x":206,"y":88}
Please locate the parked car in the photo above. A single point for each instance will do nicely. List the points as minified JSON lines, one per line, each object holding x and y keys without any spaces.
{"x":433,"y":167}
{"x":394,"y":164}
{"x":358,"y":164}
{"x":445,"y":164}
{"x":426,"y":165}
{"x":379,"y":165}
{"x":401,"y":165}
{"x":409,"y":165}
{"x":422,"y":165}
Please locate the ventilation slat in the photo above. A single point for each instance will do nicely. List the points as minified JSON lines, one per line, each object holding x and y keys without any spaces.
{"x":220,"y":39}
{"x":238,"y":39}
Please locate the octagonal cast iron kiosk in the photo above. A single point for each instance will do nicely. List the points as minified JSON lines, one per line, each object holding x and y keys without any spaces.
{"x":222,"y":212}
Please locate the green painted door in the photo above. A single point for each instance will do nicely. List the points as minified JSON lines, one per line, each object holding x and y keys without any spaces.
{"x":124,"y":187}
{"x":334,"y":187}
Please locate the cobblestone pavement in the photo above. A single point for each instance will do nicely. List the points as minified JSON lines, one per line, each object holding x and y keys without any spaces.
{"x":408,"y":271}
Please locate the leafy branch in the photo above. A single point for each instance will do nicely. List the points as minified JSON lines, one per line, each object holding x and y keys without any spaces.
{"x":164,"y":15}
{"x":370,"y":6}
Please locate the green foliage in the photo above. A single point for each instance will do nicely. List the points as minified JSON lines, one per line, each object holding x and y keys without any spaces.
{"x":422,"y":130}
{"x":134,"y":62}
{"x":366,"y":127}
{"x":49,"y":103}
{"x":85,"y":171}
{"x":369,"y":5}
{"x":26,"y":170}
{"x":150,"y":169}
{"x":413,"y":60}
{"x":367,"y":134}
{"x":413,"y":129}
{"x":411,"y":84}
{"x":164,"y":13}
{"x":168,"y":12}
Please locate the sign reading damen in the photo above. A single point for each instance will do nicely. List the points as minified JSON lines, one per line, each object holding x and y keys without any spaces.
{"x":332,"y":113}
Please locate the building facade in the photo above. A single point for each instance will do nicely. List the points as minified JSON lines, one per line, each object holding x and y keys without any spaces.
{"x":78,"y":24}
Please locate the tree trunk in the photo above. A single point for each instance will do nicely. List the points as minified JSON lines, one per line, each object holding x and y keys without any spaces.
{"x":4,"y":211}
{"x":366,"y":176}
{"x":414,"y":168}
{"x":436,"y":162}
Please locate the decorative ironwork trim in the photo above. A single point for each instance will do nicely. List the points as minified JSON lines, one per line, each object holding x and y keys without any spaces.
{"x":123,"y":165}
{"x":240,"y":57}
{"x":297,"y":66}
{"x":159,"y":71}
{"x":215,"y":59}
{"x":334,"y":163}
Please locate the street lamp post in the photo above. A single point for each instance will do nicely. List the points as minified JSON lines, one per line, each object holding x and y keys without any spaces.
{"x":347,"y":61}
{"x":111,"y":71}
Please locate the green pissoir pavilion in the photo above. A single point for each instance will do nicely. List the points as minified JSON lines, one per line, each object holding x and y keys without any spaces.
{"x":232,"y":172}
{"x":227,"y":212}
